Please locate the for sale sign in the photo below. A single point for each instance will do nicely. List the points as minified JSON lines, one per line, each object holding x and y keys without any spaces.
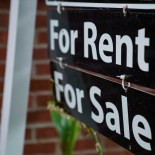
{"x":126,"y":118}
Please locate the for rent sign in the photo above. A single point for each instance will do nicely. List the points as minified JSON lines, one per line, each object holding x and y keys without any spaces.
{"x":106,"y":42}
{"x":88,"y":50}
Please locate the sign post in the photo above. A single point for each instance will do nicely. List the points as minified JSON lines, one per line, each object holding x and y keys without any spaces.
{"x":17,"y":77}
{"x":102,"y":55}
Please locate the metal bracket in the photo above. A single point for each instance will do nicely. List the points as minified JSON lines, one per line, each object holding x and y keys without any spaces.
{"x":125,"y":9}
{"x":60,"y":60}
{"x":123,"y":77}
{"x":59,"y":9}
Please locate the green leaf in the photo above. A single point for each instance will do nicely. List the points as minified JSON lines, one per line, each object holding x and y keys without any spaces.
{"x":56,"y":117}
{"x":73,"y":132}
{"x":68,"y":130}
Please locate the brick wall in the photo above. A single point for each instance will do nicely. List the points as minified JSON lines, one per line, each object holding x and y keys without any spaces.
{"x":41,"y":137}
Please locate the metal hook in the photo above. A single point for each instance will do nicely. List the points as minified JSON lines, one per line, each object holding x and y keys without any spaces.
{"x":59,"y":10}
{"x":123,"y":77}
{"x":60,"y":59}
{"x":125,"y":8}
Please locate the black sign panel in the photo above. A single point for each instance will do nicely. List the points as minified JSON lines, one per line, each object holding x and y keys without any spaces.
{"x":108,"y":1}
{"x":87,"y":45}
{"x":126,"y":118}
{"x":105,"y":41}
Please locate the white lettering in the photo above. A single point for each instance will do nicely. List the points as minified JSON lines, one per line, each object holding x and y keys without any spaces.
{"x":74,"y":35}
{"x":89,"y":26}
{"x":113,"y":116}
{"x":125,"y":117}
{"x":64,"y":44}
{"x":141,"y":41}
{"x":105,"y":47}
{"x":80,"y":96}
{"x":96,"y":91}
{"x":66,"y":40}
{"x":137,"y":131}
{"x":70,"y":97}
{"x":53,"y":34}
{"x":58,"y":87}
{"x":129,"y":50}
{"x":139,"y":126}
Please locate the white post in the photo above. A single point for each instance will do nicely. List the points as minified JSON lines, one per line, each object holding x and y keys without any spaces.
{"x":17,"y":76}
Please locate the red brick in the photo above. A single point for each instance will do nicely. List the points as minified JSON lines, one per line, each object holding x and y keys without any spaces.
{"x":5,"y":4}
{"x":42,"y":37}
{"x":2,"y":70}
{"x":28,"y":134}
{"x":46,"y":133}
{"x":85,"y":144}
{"x":0,"y":106}
{"x":0,"y":103}
{"x":43,"y":69}
{"x":126,"y":152}
{"x":40,"y":85}
{"x":38,"y":117}
{"x":30,"y":101}
{"x":40,"y":148}
{"x":2,"y":54}
{"x":41,"y":21}
{"x":111,"y":144}
{"x":40,"y":54}
{"x":3,"y":37}
{"x":43,"y":99}
{"x":1,"y":86}
{"x":41,"y":5}
{"x":4,"y":20}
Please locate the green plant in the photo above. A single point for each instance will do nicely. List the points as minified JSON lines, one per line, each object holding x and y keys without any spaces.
{"x":69,"y":129}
